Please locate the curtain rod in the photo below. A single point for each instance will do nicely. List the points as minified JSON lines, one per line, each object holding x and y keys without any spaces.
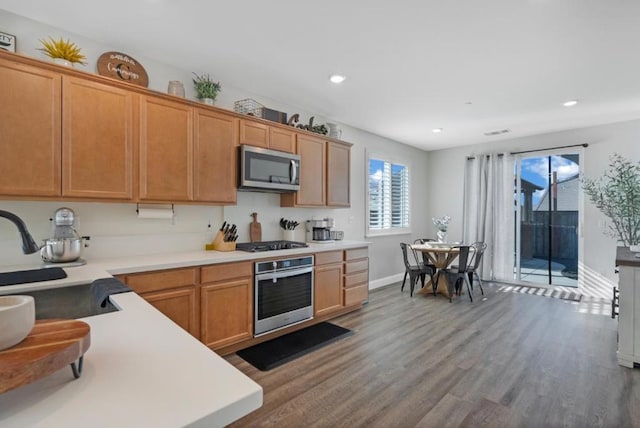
{"x":537,"y":150}
{"x":550,"y":148}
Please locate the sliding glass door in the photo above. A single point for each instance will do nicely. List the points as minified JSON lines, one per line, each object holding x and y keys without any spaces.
{"x":548,"y":212}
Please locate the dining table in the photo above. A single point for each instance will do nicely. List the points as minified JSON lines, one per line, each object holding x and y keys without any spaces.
{"x":441,"y":255}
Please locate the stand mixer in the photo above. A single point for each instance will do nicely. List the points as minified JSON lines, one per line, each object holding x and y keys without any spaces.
{"x":66,"y":244}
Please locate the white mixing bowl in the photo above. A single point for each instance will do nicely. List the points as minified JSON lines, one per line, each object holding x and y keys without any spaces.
{"x":17,"y":316}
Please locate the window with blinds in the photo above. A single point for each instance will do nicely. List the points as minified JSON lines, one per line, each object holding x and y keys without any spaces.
{"x":388,"y":201}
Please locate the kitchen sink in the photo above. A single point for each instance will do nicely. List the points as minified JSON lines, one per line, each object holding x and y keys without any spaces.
{"x":67,"y":302}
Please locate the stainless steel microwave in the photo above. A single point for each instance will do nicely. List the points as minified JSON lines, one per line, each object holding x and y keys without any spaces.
{"x":267,"y":170}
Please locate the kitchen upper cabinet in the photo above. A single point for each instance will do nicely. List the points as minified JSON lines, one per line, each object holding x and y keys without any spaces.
{"x":97,"y":140}
{"x":338,"y":173}
{"x":259,"y":134}
{"x":30,"y":130}
{"x":283,"y":140}
{"x":254,"y":133}
{"x":313,"y":161}
{"x":166,"y":150}
{"x":215,"y":157}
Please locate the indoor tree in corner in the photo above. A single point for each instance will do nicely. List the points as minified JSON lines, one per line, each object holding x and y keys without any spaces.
{"x":617,"y":195}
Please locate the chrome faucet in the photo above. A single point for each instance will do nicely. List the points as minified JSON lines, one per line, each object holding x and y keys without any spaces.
{"x":29,"y":246}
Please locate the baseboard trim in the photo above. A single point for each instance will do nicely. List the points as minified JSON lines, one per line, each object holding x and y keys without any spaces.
{"x":381,"y":282}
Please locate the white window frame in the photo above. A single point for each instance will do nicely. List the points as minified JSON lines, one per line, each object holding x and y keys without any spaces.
{"x":392,"y":230}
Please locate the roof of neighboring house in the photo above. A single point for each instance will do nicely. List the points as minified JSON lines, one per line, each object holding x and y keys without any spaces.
{"x":567,"y":195}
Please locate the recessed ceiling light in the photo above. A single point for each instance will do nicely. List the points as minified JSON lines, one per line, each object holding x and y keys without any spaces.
{"x":570,"y":103}
{"x":436,"y":130}
{"x":336,"y":78}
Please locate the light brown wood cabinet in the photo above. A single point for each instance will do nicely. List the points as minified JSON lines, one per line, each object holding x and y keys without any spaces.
{"x":356,"y":276}
{"x":215,"y":157}
{"x":173,"y":292}
{"x":338,"y":174}
{"x":97,"y":140}
{"x":226,"y":304}
{"x":260,"y":134}
{"x":180,"y":305}
{"x":313,"y":161}
{"x":30,"y":130}
{"x":324,"y":174}
{"x":283,"y":140}
{"x":254,"y":133}
{"x":166,"y":150}
{"x":327,"y":290}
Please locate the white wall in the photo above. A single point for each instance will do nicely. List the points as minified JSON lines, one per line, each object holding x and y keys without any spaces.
{"x":445,"y":177}
{"x":114,"y":228}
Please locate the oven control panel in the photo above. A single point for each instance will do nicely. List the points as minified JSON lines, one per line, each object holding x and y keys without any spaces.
{"x":284,"y":264}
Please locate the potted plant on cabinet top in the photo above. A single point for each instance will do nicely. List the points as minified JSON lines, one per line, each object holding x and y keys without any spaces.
{"x":206,"y":88}
{"x":617,"y":195}
{"x":62,"y":52}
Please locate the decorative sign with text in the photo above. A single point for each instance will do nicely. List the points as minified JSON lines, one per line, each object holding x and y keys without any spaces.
{"x":122,"y":67}
{"x":7,"y":42}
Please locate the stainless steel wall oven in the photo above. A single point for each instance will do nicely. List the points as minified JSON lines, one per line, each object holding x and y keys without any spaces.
{"x":283,"y":293}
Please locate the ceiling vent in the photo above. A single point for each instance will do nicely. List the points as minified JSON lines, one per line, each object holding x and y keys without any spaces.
{"x":492,"y":133}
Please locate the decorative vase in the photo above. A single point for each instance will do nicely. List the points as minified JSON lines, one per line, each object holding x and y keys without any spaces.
{"x":176,"y":88}
{"x":334,"y":131}
{"x":62,"y":61}
{"x":209,"y":101}
{"x":442,"y":236}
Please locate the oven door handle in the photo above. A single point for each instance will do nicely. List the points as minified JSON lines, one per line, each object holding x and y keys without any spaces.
{"x":286,"y":274}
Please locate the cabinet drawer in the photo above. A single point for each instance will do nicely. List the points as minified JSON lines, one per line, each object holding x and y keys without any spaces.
{"x":357,"y":266}
{"x":356,"y":279}
{"x":162,"y":280}
{"x":225,"y":271}
{"x":355,"y":294}
{"x":328,"y":258}
{"x":356,"y":253}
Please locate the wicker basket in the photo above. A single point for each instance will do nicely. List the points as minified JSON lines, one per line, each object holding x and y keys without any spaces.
{"x":249,"y":107}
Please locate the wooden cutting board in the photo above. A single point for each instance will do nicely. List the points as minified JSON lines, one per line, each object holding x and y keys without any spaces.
{"x":51,"y":346}
{"x":255,"y":229}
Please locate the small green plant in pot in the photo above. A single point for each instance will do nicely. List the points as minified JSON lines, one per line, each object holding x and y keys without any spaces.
{"x":62,"y":51}
{"x":617,"y":195}
{"x":206,"y":88}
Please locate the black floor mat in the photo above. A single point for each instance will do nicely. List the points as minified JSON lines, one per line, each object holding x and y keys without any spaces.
{"x":268,"y":355}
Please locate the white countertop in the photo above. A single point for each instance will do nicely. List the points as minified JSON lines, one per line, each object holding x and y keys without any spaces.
{"x":105,"y":268}
{"x":141,"y":369}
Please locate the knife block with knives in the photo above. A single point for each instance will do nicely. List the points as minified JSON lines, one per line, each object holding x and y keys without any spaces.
{"x":225,"y":239}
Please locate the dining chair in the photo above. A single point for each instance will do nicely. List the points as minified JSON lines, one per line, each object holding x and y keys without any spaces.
{"x":415,"y":270}
{"x":460,"y":272}
{"x":479,"y":248}
{"x":423,"y":257}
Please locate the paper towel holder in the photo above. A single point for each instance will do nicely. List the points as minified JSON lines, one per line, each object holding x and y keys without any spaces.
{"x":156,"y":207}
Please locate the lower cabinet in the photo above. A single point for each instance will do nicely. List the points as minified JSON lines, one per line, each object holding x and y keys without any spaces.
{"x":172,"y":292}
{"x":227,"y":315}
{"x":180,"y":305}
{"x":226,"y":297}
{"x":327,"y":290}
{"x":356,"y":276}
{"x":215,"y":303}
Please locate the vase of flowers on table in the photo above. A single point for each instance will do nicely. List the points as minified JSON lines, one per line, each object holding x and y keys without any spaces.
{"x":442,"y":224}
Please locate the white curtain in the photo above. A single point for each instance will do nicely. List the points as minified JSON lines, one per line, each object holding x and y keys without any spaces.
{"x":489,"y":213}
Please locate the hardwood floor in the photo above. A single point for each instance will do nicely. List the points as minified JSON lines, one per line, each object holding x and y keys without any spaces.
{"x":510,"y":360}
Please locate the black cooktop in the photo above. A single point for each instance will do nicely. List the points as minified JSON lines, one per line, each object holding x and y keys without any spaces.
{"x":254,"y":247}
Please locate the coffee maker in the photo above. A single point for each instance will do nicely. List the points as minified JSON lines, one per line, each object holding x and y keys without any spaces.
{"x":319,"y":231}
